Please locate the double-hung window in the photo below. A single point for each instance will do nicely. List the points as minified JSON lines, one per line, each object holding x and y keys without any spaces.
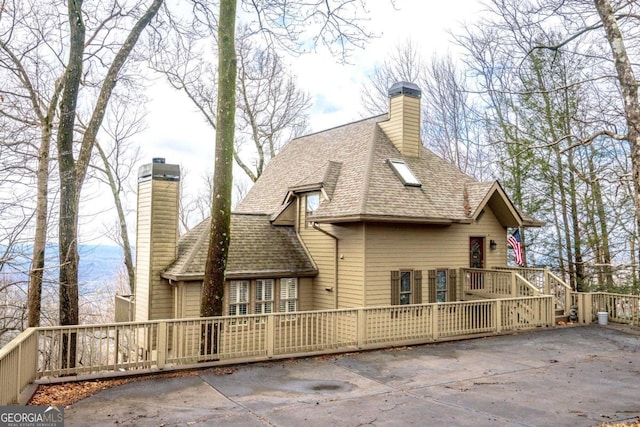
{"x":406,"y":287}
{"x":239,"y":298}
{"x":264,"y":296}
{"x":288,"y":295}
{"x":442,"y":285}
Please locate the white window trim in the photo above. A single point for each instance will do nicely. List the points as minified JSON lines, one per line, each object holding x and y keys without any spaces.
{"x":280,"y":296}
{"x":236,"y":297}
{"x":288,"y":295}
{"x":264,"y":299}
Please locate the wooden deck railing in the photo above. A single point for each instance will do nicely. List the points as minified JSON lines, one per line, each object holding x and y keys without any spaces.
{"x":479,"y":283}
{"x":132,"y":347}
{"x":546,"y":283}
{"x":535,"y":276}
{"x":620,"y":308}
{"x":559,"y":289}
{"x":18,"y":365}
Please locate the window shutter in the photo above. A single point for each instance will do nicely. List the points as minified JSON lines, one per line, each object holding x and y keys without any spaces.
{"x":432,"y":286}
{"x":395,"y":288}
{"x":451,"y":285}
{"x":233,"y":292}
{"x":417,"y":286}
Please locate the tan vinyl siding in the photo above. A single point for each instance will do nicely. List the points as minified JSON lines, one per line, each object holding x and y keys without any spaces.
{"x":164,"y":247}
{"x":156,"y":247}
{"x":403,"y":126}
{"x":421,"y":247}
{"x":143,"y":251}
{"x":323,"y":252}
{"x":191,"y":299}
{"x":350,"y":265}
{"x":305,"y":294}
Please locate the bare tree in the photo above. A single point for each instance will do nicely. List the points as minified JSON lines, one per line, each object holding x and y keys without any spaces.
{"x":73,"y":170}
{"x":30,"y":96}
{"x":627,"y":81}
{"x":219,"y":234}
{"x":334,"y":24}
{"x":194,"y":207}
{"x":271,"y":108}
{"x":450,"y":123}
{"x":544,"y":75}
{"x":404,"y":63}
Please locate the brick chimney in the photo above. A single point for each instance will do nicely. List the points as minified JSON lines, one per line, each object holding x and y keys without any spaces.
{"x":156,"y":238}
{"x":403,"y":126}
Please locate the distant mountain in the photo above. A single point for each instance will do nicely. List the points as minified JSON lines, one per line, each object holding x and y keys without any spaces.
{"x":99,"y":264}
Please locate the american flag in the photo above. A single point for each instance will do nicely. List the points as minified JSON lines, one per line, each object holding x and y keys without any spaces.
{"x":515,"y":242}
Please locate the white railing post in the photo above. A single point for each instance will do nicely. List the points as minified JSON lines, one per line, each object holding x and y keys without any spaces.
{"x":19,"y":382}
{"x":547,"y":282}
{"x":551,"y":311}
{"x":581,"y":307}
{"x":588,"y":308}
{"x":434,"y":321}
{"x":567,"y":301}
{"x":161,"y":348}
{"x":271,"y":333}
{"x":514,"y":285}
{"x":497,"y":307}
{"x":361,"y":328}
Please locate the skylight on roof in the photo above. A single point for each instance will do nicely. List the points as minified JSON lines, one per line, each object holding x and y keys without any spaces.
{"x":404,"y":173}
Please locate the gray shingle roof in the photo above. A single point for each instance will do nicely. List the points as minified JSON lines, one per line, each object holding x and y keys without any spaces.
{"x":365,"y":186}
{"x":350,"y":163}
{"x":257,"y":248}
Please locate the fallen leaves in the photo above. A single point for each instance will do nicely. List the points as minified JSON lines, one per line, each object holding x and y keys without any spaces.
{"x":65,"y":394}
{"x":629,"y":424}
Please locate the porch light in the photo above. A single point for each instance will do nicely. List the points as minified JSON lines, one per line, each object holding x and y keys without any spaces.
{"x":493,"y":245}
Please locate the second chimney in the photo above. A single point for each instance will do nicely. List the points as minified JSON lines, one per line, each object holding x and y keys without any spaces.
{"x":156,"y":238}
{"x":403,"y":126}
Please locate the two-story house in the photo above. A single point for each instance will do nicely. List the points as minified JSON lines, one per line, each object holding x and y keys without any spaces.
{"x":358,"y":215}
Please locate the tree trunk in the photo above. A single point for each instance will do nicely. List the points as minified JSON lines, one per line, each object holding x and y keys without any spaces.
{"x":68,"y":225}
{"x":550,"y":120}
{"x":40,"y":235}
{"x":213,"y":290}
{"x":72,"y":172}
{"x":600,"y":210}
{"x":122,"y":220}
{"x":577,"y":233}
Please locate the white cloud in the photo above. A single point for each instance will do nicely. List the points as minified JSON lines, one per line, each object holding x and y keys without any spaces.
{"x":179,"y":133}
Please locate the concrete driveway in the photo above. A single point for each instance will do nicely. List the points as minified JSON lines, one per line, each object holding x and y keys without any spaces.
{"x":570,"y":376}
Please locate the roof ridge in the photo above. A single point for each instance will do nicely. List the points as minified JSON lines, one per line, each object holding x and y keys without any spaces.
{"x":339,"y":126}
{"x":196,"y":247}
{"x":369,"y":167}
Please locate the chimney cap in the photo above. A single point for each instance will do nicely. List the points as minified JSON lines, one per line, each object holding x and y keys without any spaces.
{"x":158,"y":169}
{"x":405,"y":88}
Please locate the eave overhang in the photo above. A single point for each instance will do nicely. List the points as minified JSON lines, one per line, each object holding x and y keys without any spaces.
{"x":237,"y":275}
{"x":390,"y":219}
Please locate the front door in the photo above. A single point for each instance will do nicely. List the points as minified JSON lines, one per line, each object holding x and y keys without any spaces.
{"x":476,"y":260}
